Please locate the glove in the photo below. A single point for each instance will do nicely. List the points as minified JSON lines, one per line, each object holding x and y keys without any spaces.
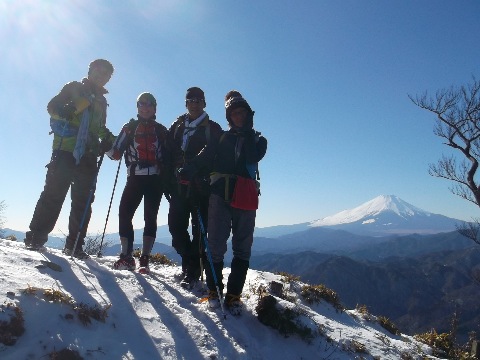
{"x":187,"y":173}
{"x":68,"y":110}
{"x":106,"y":145}
{"x":249,"y":133}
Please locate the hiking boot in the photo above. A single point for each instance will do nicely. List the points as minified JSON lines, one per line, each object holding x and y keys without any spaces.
{"x":213,"y":300}
{"x":126,"y":262}
{"x":35,"y":242}
{"x":79,"y":253}
{"x":144,"y":269}
{"x":189,"y":282}
{"x":234,"y":304}
{"x":180,"y":276}
{"x":36,"y":247}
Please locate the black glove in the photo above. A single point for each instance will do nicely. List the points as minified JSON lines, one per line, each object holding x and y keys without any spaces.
{"x":187,"y":173}
{"x":106,"y":145}
{"x":67,"y":111}
{"x":249,"y":133}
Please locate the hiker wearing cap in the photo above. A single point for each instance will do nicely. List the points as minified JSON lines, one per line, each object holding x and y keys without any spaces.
{"x":78,"y":118}
{"x":233,"y":199}
{"x":144,"y":142}
{"x":190,"y":132}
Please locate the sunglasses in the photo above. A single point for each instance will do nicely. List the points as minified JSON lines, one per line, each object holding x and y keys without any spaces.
{"x":144,"y":104}
{"x":193,"y":101}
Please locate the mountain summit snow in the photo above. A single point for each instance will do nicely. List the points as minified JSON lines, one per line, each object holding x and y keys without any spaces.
{"x":387,"y":214}
{"x":367,"y":211}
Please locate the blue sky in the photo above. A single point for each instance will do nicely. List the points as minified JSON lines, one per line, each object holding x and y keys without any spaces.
{"x":328,"y":80}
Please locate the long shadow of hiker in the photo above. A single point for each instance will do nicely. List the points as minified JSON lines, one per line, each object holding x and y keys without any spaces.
{"x":223,"y":343}
{"x":124,"y":319}
{"x":185,"y":347}
{"x":68,"y":280}
{"x":81,"y":279}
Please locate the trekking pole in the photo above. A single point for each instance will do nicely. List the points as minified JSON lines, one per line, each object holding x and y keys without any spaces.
{"x":87,"y":205}
{"x":209,"y":256}
{"x":109,"y":207}
{"x":200,"y":254}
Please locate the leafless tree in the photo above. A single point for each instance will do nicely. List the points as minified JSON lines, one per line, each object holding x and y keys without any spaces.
{"x":2,"y":218}
{"x":457,"y":113}
{"x":94,"y":245}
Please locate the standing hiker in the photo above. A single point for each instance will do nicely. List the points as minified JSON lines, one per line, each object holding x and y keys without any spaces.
{"x":144,"y":142}
{"x":190,"y":133}
{"x":233,"y":199}
{"x":78,"y":118}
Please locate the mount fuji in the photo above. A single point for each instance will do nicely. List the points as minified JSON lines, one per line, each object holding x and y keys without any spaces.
{"x":381,"y":216}
{"x":386,"y":215}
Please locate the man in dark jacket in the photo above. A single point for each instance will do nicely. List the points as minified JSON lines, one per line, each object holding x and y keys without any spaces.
{"x":78,"y":118}
{"x":233,"y":199}
{"x":190,"y":133}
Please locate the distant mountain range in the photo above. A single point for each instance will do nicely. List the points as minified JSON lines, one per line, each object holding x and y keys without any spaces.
{"x":381,"y":216}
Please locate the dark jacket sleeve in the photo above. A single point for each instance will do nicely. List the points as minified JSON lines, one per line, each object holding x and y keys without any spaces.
{"x":255,"y":147}
{"x":67,"y":94}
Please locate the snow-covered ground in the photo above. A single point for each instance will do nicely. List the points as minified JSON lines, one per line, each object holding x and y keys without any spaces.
{"x":152,"y":317}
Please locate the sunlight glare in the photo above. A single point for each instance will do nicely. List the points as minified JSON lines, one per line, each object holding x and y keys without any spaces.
{"x":37,"y":32}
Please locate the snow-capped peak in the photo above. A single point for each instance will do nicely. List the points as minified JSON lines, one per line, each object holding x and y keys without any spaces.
{"x":382,"y":203}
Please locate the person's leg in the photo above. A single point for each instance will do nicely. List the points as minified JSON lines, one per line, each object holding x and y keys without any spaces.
{"x":197,"y":246}
{"x":178,"y":217}
{"x":82,"y":195}
{"x":219,"y":225}
{"x":242,"y":240}
{"x":131,"y":198}
{"x":151,"y":201}
{"x":129,"y":202}
{"x":49,"y":204}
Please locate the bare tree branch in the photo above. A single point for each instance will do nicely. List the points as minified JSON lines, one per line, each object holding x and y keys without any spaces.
{"x":458,"y":124}
{"x":470,"y":230}
{"x":457,"y":112}
{"x":2,"y":218}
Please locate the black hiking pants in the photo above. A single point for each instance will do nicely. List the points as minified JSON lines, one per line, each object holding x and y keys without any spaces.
{"x":183,"y":208}
{"x":137,"y":187}
{"x":62,"y":175}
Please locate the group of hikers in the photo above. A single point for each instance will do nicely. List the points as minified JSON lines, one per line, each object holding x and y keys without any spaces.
{"x":208,"y":175}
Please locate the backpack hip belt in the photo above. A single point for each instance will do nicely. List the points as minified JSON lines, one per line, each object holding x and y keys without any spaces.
{"x":214,"y":177}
